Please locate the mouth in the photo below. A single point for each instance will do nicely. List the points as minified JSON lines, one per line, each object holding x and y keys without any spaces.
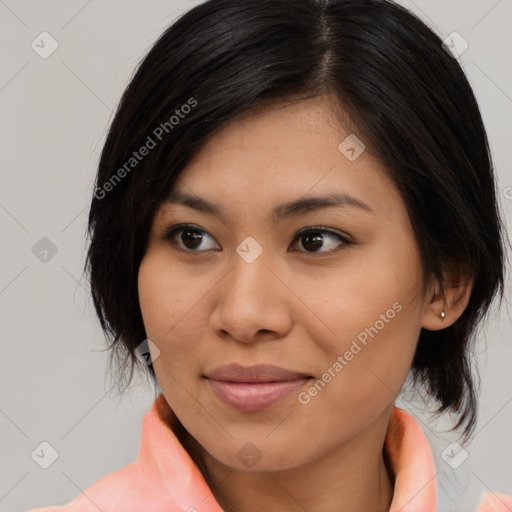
{"x":254,"y":388}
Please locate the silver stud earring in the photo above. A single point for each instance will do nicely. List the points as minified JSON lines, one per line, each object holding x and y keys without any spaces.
{"x":442,"y":315}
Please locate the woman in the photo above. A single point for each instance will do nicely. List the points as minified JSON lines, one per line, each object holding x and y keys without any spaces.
{"x":294,"y":210}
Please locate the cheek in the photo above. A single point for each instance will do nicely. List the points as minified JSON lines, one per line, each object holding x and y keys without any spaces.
{"x":161,"y":307}
{"x":373,"y":312}
{"x":171,"y":301}
{"x":165,"y":296}
{"x":152,"y":297}
{"x":363,"y":371}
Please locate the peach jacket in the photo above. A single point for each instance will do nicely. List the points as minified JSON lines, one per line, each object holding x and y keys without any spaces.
{"x":164,"y":478}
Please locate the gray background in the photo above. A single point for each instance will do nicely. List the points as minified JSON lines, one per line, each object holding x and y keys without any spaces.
{"x":55,"y":115}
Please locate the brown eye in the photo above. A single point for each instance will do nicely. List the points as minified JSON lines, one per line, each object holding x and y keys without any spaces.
{"x":188,"y":238}
{"x":314,"y":239}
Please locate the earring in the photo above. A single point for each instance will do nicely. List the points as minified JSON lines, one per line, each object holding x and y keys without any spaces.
{"x":442,"y":314}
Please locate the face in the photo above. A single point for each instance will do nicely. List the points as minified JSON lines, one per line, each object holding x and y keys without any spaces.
{"x":315,"y":310}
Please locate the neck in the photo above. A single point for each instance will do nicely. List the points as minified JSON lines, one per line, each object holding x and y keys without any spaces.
{"x":353,"y":476}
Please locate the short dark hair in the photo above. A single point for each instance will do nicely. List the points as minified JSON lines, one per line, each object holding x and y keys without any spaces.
{"x":408,"y":98}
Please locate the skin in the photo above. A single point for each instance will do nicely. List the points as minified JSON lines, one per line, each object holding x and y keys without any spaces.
{"x":297,"y":305}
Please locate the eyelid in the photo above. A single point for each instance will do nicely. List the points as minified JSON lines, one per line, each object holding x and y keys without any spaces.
{"x":345,"y":239}
{"x":171,"y":230}
{"x":324,"y":229}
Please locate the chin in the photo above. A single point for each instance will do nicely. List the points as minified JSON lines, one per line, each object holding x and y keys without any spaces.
{"x":251,"y":458}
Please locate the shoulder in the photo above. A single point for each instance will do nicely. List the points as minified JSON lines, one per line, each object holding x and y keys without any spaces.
{"x":104,"y":494}
{"x":495,"y":502}
{"x":162,"y":477}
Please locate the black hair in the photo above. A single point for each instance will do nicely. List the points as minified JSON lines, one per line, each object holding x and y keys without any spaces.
{"x":389,"y":72}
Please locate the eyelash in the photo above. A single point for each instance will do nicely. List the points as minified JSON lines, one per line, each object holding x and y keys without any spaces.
{"x":171,"y":231}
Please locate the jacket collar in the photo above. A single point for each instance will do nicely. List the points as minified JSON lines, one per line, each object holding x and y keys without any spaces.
{"x":410,"y":457}
{"x":406,"y":449}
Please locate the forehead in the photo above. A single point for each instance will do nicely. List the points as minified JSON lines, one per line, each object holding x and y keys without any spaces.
{"x":282,"y":153}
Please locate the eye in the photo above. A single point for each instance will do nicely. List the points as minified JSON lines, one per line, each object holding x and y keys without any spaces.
{"x":188,"y":237}
{"x":315,"y":238}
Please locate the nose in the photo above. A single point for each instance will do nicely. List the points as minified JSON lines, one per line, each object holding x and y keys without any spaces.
{"x":252,"y":303}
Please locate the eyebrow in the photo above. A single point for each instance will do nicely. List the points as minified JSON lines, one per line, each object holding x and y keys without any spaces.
{"x":282,"y":211}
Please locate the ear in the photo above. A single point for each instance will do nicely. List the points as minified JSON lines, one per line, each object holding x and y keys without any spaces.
{"x":452,"y":299}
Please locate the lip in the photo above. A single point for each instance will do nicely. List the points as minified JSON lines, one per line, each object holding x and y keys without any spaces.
{"x":253,"y":388}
